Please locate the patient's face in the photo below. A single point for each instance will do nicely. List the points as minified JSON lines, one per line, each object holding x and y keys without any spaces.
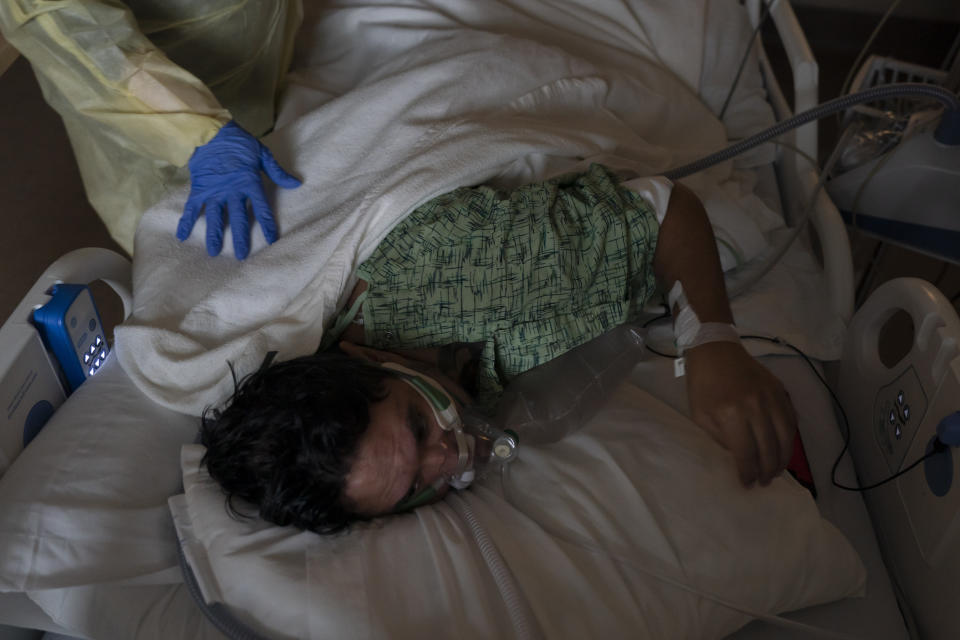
{"x":403,"y":450}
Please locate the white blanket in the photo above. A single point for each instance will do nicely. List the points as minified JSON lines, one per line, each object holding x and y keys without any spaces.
{"x":392,"y":104}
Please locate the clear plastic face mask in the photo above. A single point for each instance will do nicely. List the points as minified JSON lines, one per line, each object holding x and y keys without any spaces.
{"x":445,"y":411}
{"x":474,"y":442}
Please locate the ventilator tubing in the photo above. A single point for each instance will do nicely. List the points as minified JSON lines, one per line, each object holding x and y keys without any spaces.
{"x":549,"y":401}
{"x":948,"y":132}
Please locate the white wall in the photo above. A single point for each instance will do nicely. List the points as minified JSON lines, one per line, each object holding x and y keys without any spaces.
{"x":946,"y":10}
{"x":7,"y":54}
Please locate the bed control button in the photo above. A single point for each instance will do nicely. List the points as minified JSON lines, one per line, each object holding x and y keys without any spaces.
{"x":900,"y":398}
{"x":893,"y":416}
{"x":906,"y":412}
{"x":86,"y":358}
{"x":898,"y":432}
{"x":98,"y":341}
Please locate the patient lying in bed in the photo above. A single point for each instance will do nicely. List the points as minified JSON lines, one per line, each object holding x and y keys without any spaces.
{"x":472,"y":289}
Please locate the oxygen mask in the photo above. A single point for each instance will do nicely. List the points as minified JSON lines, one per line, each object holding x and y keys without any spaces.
{"x":472,"y":446}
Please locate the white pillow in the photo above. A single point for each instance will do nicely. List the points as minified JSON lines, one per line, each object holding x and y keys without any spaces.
{"x":639,"y":489}
{"x":85,"y":502}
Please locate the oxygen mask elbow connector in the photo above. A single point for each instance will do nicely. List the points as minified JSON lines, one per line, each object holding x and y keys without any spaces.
{"x":490,"y":448}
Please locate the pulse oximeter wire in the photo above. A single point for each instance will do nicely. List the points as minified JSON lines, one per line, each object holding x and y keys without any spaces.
{"x":938,"y":446}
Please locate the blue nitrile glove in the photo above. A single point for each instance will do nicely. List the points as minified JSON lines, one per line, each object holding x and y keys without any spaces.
{"x":225,"y":173}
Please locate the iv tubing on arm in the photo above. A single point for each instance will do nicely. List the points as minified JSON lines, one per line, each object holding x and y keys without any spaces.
{"x":732,"y":396}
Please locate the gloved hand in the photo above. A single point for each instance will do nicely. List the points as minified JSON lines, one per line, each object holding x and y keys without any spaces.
{"x":225,"y":173}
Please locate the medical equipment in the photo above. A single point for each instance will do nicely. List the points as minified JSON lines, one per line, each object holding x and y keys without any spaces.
{"x":351,"y":582}
{"x":946,"y":136}
{"x":898,"y":180}
{"x":35,"y":381}
{"x":478,"y":444}
{"x":687,"y":328}
{"x":71,"y":328}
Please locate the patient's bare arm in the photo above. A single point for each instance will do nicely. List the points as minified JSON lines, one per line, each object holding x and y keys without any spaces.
{"x":732,"y":396}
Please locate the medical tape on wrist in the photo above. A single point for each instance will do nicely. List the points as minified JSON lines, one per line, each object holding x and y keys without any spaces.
{"x":688,"y":331}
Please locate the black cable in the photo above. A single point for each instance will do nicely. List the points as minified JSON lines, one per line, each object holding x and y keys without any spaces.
{"x":649,"y":322}
{"x":647,"y":345}
{"x":764,"y":14}
{"x":938,"y":446}
{"x":661,"y":354}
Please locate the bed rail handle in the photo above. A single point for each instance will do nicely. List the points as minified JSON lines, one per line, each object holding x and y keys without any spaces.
{"x":81,"y":266}
{"x":806,"y":73}
{"x":935,"y":321}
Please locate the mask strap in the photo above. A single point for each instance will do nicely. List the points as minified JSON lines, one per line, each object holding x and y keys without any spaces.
{"x":432,"y":392}
{"x":267,"y":361}
{"x":443,"y":407}
{"x":420,"y":499}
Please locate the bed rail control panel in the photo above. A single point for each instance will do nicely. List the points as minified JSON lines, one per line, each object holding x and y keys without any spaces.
{"x":72,"y":330}
{"x":898,"y":410}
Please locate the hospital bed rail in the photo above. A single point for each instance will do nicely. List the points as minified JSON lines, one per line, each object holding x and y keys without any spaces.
{"x":796,"y":177}
{"x":901,"y":396}
{"x":31,"y":385}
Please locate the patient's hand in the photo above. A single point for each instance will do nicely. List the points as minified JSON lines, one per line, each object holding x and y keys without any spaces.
{"x":743,"y":406}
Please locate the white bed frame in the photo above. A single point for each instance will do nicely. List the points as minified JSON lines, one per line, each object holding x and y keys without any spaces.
{"x":921,"y":554}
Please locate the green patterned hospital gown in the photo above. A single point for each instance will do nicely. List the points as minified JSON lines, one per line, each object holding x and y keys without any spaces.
{"x":530,"y":274}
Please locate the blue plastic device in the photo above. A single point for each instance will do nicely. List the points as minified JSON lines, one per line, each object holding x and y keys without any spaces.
{"x":71,"y":328}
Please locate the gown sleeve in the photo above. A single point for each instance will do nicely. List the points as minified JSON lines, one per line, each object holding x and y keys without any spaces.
{"x":106,"y":69}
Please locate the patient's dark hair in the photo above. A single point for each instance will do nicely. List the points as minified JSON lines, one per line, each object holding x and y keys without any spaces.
{"x":285,"y":440}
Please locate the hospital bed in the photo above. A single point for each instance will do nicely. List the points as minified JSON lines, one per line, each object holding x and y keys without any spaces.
{"x":90,"y":548}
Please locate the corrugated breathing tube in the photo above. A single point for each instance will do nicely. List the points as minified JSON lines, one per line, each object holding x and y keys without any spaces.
{"x":948,"y":132}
